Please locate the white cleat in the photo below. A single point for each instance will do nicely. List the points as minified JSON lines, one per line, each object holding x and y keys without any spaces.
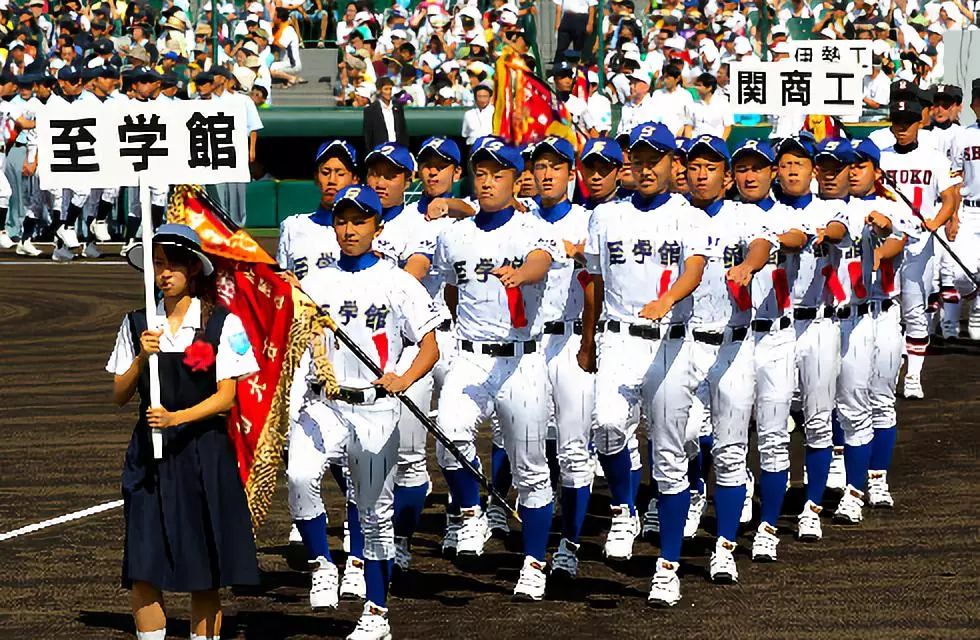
{"x":765,"y":543}
{"x":912,"y":390}
{"x":808,"y":528}
{"x":565,"y":560}
{"x":100,"y":229}
{"x":622,"y":534}
{"x":473,"y":532}
{"x":27,"y":248}
{"x":68,"y":236}
{"x":91,"y":251}
{"x":651,"y":519}
{"x":372,"y":625}
{"x":450,"y":541}
{"x":850,"y":508}
{"x":497,"y":521}
{"x":352,"y":586}
{"x":403,"y":554}
{"x":746,"y":515}
{"x":294,"y":535}
{"x":132,"y":242}
{"x":699,"y":502}
{"x":722,"y":567}
{"x":346,"y":537}
{"x":879,"y":496}
{"x":62,"y":254}
{"x":837,"y":479}
{"x":665,"y":588}
{"x":5,"y":241}
{"x":530,"y":585}
{"x":323,"y":590}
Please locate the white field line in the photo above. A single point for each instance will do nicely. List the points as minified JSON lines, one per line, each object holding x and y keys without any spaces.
{"x":68,"y":517}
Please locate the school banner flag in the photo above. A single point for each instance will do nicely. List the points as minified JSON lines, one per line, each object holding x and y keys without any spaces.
{"x":526,"y":109}
{"x":280,"y":322}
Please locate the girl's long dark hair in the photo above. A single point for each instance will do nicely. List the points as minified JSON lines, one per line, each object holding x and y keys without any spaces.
{"x":200,"y":286}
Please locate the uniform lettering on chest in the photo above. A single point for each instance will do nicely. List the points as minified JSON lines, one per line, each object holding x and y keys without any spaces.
{"x":854,"y":251}
{"x":971,"y":153}
{"x":732,"y":255}
{"x":348,"y":311}
{"x":670,"y":253}
{"x":910,"y":176}
{"x":776,"y":258}
{"x":301,"y":265}
{"x":483,"y":268}
{"x":376,"y":318}
{"x":820,"y":250}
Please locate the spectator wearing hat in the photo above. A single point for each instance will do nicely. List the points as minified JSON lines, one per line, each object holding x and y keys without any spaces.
{"x":575,"y":20}
{"x":641,"y":107}
{"x":286,"y":41}
{"x":44,"y":25}
{"x":174,"y":36}
{"x":478,"y":121}
{"x":254,"y":12}
{"x":384,"y":119}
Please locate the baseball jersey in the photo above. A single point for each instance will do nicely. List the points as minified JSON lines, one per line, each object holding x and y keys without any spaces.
{"x":948,"y":142}
{"x":729,"y":231}
{"x":885,"y":281}
{"x":378,"y":305}
{"x":920,"y":175}
{"x":307,"y":242}
{"x":771,"y":286}
{"x":970,"y":189}
{"x":813,"y":283}
{"x":855,"y":252}
{"x":564,"y":295}
{"x":885,"y":139}
{"x":466,"y":254}
{"x":640,"y":251}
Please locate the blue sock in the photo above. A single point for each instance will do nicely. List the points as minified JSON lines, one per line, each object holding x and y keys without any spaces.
{"x":574,"y":505}
{"x":551,"y":453}
{"x":673,"y":514}
{"x":881,"y":449}
{"x":838,"y":431}
{"x":856,"y":465}
{"x":337,"y":471}
{"x":772,"y":490}
{"x":452,"y":505}
{"x":464,"y":487}
{"x":728,"y":510}
{"x":409,"y":502}
{"x":535,"y":526}
{"x":356,"y":534}
{"x":500,"y":474}
{"x":694,"y":475}
{"x":798,"y":418}
{"x":817,"y":471}
{"x":636,"y":479}
{"x":377,"y":578}
{"x":314,"y":533}
{"x":619,"y":477}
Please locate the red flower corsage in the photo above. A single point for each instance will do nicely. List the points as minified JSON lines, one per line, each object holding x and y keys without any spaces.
{"x":199,"y":356}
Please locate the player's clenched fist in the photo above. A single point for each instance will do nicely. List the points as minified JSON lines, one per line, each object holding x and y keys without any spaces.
{"x":880,"y":222}
{"x":508,"y":276}
{"x":586,"y":357}
{"x":392,"y":383}
{"x":657,"y":309}
{"x":740,"y":274}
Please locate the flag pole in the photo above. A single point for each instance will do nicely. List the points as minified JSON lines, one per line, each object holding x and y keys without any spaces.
{"x":152,"y":322}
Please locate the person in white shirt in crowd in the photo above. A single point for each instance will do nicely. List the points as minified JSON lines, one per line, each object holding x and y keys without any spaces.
{"x":743,"y":50}
{"x":641,"y":106}
{"x":877,"y":86}
{"x":779,"y":51}
{"x":254,"y":13}
{"x":478,"y":121}
{"x":711,"y":115}
{"x":288,"y":66}
{"x":673,"y":102}
{"x":599,"y":106}
{"x":563,"y":78}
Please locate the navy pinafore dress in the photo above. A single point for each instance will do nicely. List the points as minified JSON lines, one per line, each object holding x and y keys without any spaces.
{"x":187,"y":521}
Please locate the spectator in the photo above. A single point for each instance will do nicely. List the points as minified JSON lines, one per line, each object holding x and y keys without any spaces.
{"x":641,"y":107}
{"x":575,"y":22}
{"x":286,"y":42}
{"x":384,"y":119}
{"x":674,"y":103}
{"x":711,"y":115}
{"x":599,"y":106}
{"x":411,"y":94}
{"x":876,"y":86}
{"x":478,"y":121}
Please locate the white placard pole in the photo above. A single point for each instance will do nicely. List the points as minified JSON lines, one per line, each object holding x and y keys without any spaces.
{"x":152,"y":322}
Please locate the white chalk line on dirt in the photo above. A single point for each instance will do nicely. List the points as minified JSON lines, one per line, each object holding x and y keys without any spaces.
{"x":68,"y":517}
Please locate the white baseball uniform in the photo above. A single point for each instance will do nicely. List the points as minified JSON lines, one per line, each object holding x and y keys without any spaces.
{"x":967,"y":243}
{"x":307,"y":242}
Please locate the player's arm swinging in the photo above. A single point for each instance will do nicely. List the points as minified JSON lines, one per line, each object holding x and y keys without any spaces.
{"x":889,"y":250}
{"x":684,"y":286}
{"x":792,"y":241}
{"x":418,"y":265}
{"x":424,"y":360}
{"x":950,"y":202}
{"x":755,"y":259}
{"x":834,"y":232}
{"x":592,"y":308}
{"x":534,"y":269}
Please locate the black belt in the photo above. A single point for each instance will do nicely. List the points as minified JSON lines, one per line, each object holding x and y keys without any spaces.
{"x":971,"y":203}
{"x":646,"y":332}
{"x":445,"y":325}
{"x":558,"y":328}
{"x":810,"y":313}
{"x":717,"y":338}
{"x":360,"y":396}
{"x":882,"y":305}
{"x":858,"y":309}
{"x":20,"y":144}
{"x":763,"y":326}
{"x":501,"y":350}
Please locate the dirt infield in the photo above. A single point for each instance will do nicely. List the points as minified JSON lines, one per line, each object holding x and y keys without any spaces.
{"x":910,"y":572}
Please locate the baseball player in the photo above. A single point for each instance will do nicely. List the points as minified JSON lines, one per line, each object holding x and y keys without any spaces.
{"x":910,"y":92}
{"x":7,"y":127}
{"x":21,"y":109}
{"x":646,"y":256}
{"x":754,"y":165}
{"x":379,"y":307}
{"x":497,"y":262}
{"x":924,"y":177}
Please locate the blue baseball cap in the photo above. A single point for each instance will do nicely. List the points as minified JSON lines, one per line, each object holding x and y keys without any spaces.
{"x":654,"y":135}
{"x":840,"y":149}
{"x":710,"y":143}
{"x":682,"y":144}
{"x":496,"y":149}
{"x":603,"y":148}
{"x":867,"y":150}
{"x":797,"y":143}
{"x":560,"y":146}
{"x":336,"y":149}
{"x":758,"y":147}
{"x":528,"y":150}
{"x":361,"y":196}
{"x":442,"y":147}
{"x":396,"y":154}
{"x":68,"y":74}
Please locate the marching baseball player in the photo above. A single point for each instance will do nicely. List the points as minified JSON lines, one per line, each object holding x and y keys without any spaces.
{"x":8,"y":129}
{"x":646,"y":256}
{"x":378,"y":306}
{"x":905,"y":90}
{"x":22,"y":108}
{"x":924,"y":177}
{"x":497,"y":262}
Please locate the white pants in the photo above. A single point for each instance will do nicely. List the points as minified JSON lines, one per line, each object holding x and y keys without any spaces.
{"x":573,"y":394}
{"x":967,"y":247}
{"x":447,"y":351}
{"x":516,"y":388}
{"x":316,"y":440}
{"x":413,"y":436}
{"x":917,"y":285}
{"x":818,"y":365}
{"x":727,"y":393}
{"x":5,"y":189}
{"x":857,"y":345}
{"x":658,"y":376}
{"x":775,"y":380}
{"x":887,"y":360}
{"x":44,"y":201}
{"x":372,"y":453}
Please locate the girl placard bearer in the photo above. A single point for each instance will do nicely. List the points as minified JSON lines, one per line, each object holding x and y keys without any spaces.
{"x":187,"y":522}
